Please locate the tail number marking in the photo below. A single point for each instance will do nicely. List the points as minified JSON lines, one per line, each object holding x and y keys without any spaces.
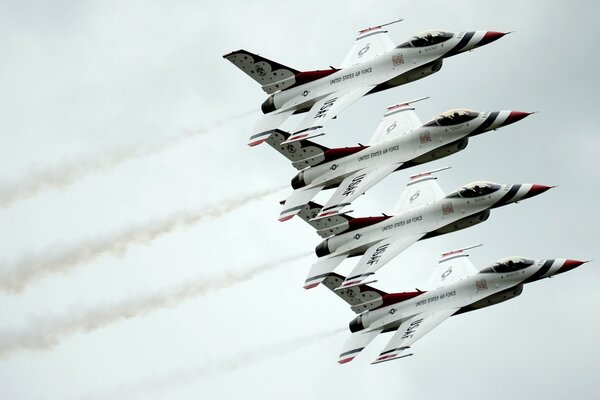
{"x":352,"y":186}
{"x":378,"y":253}
{"x":325,"y":108}
{"x":410,"y":331}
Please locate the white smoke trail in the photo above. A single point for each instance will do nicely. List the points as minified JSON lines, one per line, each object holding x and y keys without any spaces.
{"x":60,"y":176}
{"x":43,"y":334}
{"x":14,"y":278}
{"x":154,"y":385}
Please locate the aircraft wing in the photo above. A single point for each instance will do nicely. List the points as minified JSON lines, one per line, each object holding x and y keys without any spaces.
{"x":377,"y":256}
{"x":354,"y":186}
{"x":409,"y":332}
{"x":327,"y":108}
{"x":420,"y":190}
{"x":368,"y":44}
{"x":452,"y":267}
{"x":398,"y":120}
{"x":265,"y":126}
{"x":355,"y":344}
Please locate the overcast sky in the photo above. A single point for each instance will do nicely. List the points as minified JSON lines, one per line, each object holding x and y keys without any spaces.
{"x":141,"y":254}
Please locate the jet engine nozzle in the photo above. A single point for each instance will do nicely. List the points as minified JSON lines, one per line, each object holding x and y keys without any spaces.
{"x":356,"y":324}
{"x":298,"y":181}
{"x":268,"y":106}
{"x":322,"y":249}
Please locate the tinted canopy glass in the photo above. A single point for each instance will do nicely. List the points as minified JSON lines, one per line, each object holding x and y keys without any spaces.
{"x":455,"y":117}
{"x":430,"y":38}
{"x":512,"y":264}
{"x":477,"y":189}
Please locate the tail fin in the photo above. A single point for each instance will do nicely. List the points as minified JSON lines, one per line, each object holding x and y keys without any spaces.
{"x":302,"y":153}
{"x":271,"y":75}
{"x":360,"y":298}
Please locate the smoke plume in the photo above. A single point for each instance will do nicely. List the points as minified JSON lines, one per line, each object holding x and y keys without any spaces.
{"x":154,"y":385}
{"x":43,"y":334}
{"x":59,"y":176}
{"x":55,"y":260}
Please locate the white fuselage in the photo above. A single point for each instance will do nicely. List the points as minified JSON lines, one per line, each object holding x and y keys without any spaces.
{"x":381,"y":69}
{"x":425,"y":219}
{"x":399,"y":149}
{"x":461,"y":295}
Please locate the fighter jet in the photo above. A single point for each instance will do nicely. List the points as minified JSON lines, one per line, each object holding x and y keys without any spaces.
{"x":457,"y":287}
{"x":374,"y":63}
{"x":400,"y":141}
{"x":423,"y":211}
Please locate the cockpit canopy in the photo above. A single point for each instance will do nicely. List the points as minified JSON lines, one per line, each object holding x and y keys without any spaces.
{"x":510,"y":264}
{"x":476,"y":189}
{"x":428,"y":38}
{"x":453,"y":117}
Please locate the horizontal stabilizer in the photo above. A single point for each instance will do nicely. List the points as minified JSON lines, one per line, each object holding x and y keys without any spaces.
{"x":296,"y":202}
{"x":360,"y":298}
{"x":321,"y":270}
{"x":325,"y":226}
{"x":267,"y":125}
{"x":355,"y":344}
{"x":271,"y":75}
{"x":302,"y":153}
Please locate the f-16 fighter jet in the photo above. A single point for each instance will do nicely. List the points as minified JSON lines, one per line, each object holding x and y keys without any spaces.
{"x":457,"y":287}
{"x":400,"y":141}
{"x":423,"y":211}
{"x":373,"y":64}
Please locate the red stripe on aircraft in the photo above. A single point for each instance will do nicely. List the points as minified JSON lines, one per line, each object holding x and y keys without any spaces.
{"x":312,"y":285}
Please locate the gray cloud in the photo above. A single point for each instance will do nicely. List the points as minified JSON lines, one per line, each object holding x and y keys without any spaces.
{"x":42,"y":334}
{"x":62,"y":175}
{"x":32,"y":267}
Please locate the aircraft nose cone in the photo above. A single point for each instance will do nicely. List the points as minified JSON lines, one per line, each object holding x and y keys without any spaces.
{"x":515,"y":116}
{"x":490,"y":36}
{"x":570,"y":264}
{"x":535,"y":190}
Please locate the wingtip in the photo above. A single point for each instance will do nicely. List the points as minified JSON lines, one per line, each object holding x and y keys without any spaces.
{"x":382,"y":359}
{"x":311,"y":285}
{"x":286,"y":218}
{"x":256,"y":142}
